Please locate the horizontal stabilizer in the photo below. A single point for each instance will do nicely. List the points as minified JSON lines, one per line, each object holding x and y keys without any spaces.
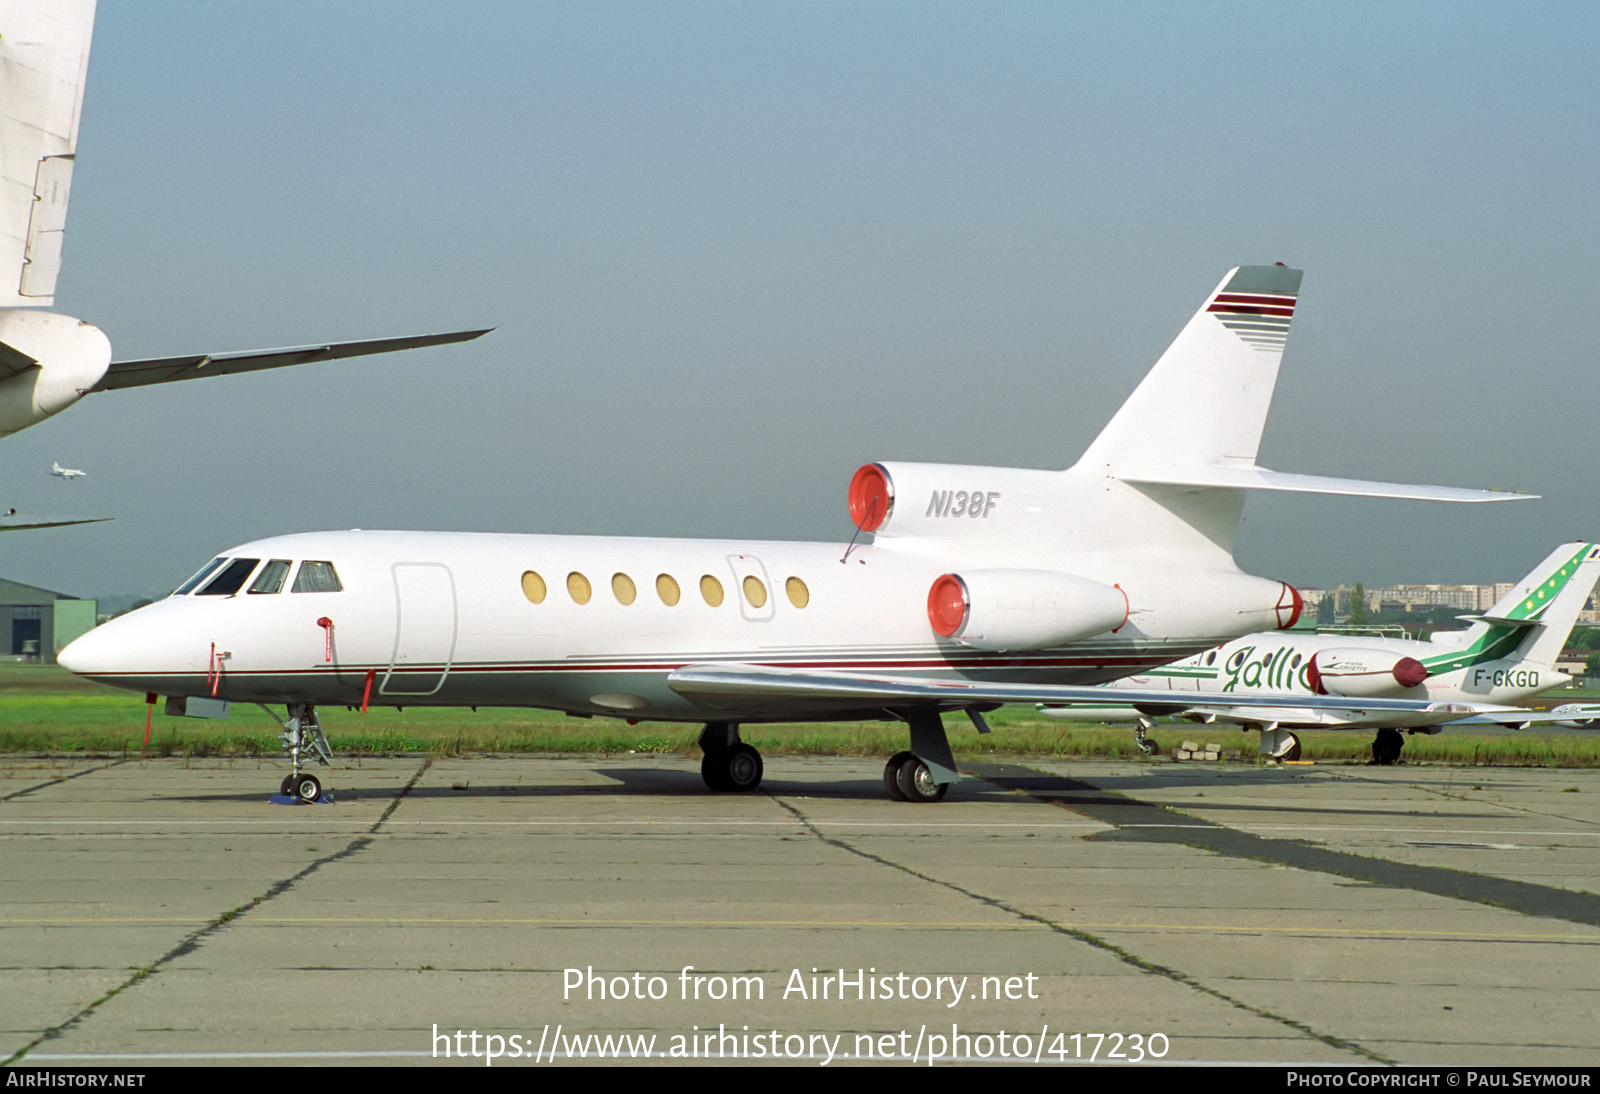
{"x":1221,"y":476}
{"x":161,"y":370}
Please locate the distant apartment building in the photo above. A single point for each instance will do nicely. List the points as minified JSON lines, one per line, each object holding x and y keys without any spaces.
{"x":1466,"y":599}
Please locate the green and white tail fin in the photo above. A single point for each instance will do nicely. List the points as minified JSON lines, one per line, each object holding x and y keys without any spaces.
{"x":1548,"y":600}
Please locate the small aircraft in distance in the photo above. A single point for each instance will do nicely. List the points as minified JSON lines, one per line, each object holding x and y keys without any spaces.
{"x":1506,"y":656}
{"x":981,"y":586}
{"x":68,"y":473}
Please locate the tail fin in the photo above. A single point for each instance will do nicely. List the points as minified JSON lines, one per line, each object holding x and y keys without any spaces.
{"x":1173,"y":464}
{"x":1548,"y":601}
{"x":44,"y":56}
{"x":1206,"y":399}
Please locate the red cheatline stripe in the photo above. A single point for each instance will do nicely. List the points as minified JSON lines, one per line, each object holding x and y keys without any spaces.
{"x":1250,"y":309}
{"x":1243,"y":298}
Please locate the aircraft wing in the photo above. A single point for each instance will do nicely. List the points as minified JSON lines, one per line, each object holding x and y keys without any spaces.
{"x":161,"y":370}
{"x":21,"y":522}
{"x":734,"y":683}
{"x":1345,"y":716}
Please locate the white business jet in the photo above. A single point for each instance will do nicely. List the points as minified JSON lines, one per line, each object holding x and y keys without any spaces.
{"x":68,"y":473}
{"x":1506,"y":656}
{"x":48,"y":361}
{"x":980,"y":586}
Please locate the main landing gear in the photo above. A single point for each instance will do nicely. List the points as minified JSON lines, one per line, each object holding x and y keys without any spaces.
{"x":729,"y":763}
{"x":1386,"y":747}
{"x":302,"y":734}
{"x":924,"y":774}
{"x":1280,"y":744}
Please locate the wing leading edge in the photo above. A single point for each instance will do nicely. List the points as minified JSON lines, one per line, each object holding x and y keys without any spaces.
{"x":162,"y":370}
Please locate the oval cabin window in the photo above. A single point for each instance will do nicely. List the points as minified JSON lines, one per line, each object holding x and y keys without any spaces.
{"x":755,"y":592}
{"x":533,"y":587}
{"x":711,"y":590}
{"x":578,"y":588}
{"x":622,"y":587}
{"x":667,"y":590}
{"x":799,"y":595}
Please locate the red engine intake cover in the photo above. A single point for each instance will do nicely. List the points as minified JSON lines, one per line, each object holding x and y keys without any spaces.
{"x":871,"y":497}
{"x":947,"y":604}
{"x":1409,"y":672}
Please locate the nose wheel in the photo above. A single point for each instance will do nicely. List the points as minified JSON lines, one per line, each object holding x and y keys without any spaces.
{"x":307,"y":788}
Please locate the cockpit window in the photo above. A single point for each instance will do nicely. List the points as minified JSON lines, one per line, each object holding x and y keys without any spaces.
{"x":270,"y":579}
{"x":231,"y":579}
{"x":316,"y":577}
{"x":205,"y":572}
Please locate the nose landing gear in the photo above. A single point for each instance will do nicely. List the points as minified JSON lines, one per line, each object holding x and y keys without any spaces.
{"x":302,"y":734}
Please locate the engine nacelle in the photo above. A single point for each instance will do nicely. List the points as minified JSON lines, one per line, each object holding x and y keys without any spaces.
{"x":1003,"y":610}
{"x":69,"y":357}
{"x":1363,"y":674}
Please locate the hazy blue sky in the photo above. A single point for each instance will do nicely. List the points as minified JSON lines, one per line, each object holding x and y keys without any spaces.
{"x":736,"y":250}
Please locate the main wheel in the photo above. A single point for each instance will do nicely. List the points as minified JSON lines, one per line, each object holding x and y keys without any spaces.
{"x":1294,"y":750}
{"x":307,"y":789}
{"x":737,"y":769}
{"x":286,"y":787}
{"x":915,"y":781}
{"x":1386,"y":747}
{"x":711,"y":771}
{"x":891,"y":775}
{"x":742,"y":768}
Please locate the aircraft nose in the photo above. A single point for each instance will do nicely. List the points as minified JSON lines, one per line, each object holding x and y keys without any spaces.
{"x":110,"y":652}
{"x":93,"y":653}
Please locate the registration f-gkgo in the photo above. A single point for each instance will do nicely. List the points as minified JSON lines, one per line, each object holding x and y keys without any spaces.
{"x":978,"y":586}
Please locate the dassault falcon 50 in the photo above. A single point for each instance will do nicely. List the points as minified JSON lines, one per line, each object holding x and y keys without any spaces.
{"x":980,"y":586}
{"x":1507,"y":655}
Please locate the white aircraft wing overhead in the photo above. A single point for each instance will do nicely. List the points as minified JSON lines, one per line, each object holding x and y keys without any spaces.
{"x":1260,"y":478}
{"x":21,"y":522}
{"x":737,"y":682}
{"x":161,"y":370}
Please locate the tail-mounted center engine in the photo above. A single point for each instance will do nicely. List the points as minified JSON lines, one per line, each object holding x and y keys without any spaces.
{"x":1022,"y":609}
{"x":951,"y":501}
{"x":1363,"y":674}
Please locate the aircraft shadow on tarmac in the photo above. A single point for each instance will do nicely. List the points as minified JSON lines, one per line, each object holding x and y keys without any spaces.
{"x":640,"y":781}
{"x":1039,"y":786}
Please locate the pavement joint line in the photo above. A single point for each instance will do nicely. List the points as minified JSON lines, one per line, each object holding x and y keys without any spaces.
{"x":59,"y":779}
{"x":1115,"y":807}
{"x":194,"y":939}
{"x":1402,"y":933}
{"x":1126,"y":956}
